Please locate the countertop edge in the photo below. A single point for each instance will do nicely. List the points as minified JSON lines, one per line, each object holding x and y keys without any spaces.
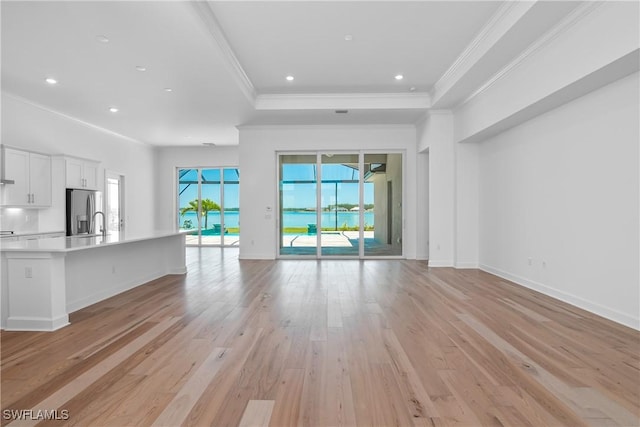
{"x":64,"y":242}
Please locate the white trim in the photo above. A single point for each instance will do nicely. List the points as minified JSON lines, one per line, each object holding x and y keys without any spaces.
{"x":563,"y":26}
{"x":323,"y":101}
{"x":592,"y":307}
{"x":73,"y":119}
{"x":440,"y":263}
{"x":327,"y":127}
{"x":507,"y":15}
{"x":203,"y":9}
{"x":463,"y":265}
{"x":36,"y":323}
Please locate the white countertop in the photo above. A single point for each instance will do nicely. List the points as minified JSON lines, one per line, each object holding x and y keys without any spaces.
{"x":77,"y":243}
{"x":31,"y":233}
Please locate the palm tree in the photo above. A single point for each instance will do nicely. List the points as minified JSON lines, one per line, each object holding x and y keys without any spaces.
{"x":206,"y":205}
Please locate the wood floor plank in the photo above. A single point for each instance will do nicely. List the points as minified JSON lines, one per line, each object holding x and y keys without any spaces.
{"x":257,"y":413}
{"x":286,"y":409}
{"x":324,"y":343}
{"x":178,"y":409}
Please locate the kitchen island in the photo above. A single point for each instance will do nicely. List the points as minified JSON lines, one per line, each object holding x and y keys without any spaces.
{"x":44,"y":280}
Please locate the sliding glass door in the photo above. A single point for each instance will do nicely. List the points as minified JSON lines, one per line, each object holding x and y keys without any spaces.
{"x":208,"y":205}
{"x":298,"y":214}
{"x":340,"y":204}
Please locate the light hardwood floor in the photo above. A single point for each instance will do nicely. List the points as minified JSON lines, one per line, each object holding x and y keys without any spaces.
{"x":326,"y":343}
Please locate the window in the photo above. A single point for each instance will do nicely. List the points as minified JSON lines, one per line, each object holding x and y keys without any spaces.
{"x":208,"y":205}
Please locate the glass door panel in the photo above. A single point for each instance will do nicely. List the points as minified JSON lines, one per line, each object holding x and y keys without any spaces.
{"x":231,"y":207}
{"x":383,"y":214}
{"x":298,"y":200}
{"x":340,"y":204}
{"x":211,"y":224}
{"x":188,"y":206}
{"x":114,"y":203}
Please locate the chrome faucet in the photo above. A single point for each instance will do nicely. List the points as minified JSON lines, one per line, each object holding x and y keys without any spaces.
{"x":103,"y":229}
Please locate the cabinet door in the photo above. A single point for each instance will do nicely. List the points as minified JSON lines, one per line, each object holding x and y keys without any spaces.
{"x":16,"y":167}
{"x":40,"y":179}
{"x":91,"y":175}
{"x":74,"y":173}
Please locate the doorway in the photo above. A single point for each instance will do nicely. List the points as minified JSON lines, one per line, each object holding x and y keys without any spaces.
{"x":114,"y":202}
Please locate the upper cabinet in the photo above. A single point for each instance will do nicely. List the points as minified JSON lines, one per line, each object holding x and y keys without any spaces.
{"x":81,"y":173}
{"x":27,"y":179}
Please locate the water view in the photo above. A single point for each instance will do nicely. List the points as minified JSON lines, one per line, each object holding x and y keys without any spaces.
{"x":295,"y":221}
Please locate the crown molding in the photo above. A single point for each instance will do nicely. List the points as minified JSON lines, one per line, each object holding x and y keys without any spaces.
{"x":207,"y":16}
{"x":285,"y":127}
{"x":365,"y":101}
{"x":73,"y":119}
{"x":560,"y":28}
{"x":507,"y":15}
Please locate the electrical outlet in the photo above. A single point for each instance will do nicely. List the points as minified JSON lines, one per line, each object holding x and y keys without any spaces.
{"x":113,"y":269}
{"x":529,"y":261}
{"x":28,"y":273}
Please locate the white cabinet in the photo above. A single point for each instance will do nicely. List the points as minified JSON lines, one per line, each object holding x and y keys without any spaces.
{"x":81,"y":173}
{"x":31,"y":176}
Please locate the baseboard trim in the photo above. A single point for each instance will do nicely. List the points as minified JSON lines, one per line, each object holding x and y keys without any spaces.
{"x":600,"y":310}
{"x":466,"y":265}
{"x":440,"y":263}
{"x":36,"y":323}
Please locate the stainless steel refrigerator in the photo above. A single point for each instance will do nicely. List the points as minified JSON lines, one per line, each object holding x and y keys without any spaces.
{"x":81,"y":205}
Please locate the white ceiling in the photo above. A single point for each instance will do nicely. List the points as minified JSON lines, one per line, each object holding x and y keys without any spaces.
{"x":226,"y":62}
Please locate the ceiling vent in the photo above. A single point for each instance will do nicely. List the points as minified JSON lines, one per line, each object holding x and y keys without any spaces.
{"x":342,"y":111}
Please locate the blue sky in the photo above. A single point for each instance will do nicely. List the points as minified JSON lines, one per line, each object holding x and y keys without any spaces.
{"x":299,"y":195}
{"x":304,"y":195}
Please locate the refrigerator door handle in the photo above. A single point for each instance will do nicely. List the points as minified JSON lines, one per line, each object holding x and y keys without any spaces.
{"x":90,"y":211}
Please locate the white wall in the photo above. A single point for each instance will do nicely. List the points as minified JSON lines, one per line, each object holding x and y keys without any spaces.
{"x":563,"y":190}
{"x":258,"y":166}
{"x":170,"y":158}
{"x":30,"y":127}
{"x":422,"y":209}
{"x":435,"y":134}
{"x":466,"y":206}
{"x":599,"y":45}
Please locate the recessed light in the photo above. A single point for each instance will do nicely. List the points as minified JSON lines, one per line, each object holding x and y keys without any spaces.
{"x":51,"y":80}
{"x":141,"y":68}
{"x":289,"y":78}
{"x":102,"y":39}
{"x":348,"y":37}
{"x":399,"y":77}
{"x":113,"y":109}
{"x":168,"y":89}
